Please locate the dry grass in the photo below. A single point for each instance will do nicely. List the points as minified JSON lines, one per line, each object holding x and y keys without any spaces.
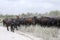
{"x":47,"y":33}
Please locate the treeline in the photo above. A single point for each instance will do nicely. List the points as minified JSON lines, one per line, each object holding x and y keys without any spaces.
{"x":50,"y":14}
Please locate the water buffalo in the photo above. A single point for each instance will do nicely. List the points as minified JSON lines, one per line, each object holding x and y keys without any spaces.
{"x":54,"y":21}
{"x":4,"y":22}
{"x":51,"y":22}
{"x":57,"y":21}
{"x":29,"y":21}
{"x":12,"y":23}
{"x":43,"y":21}
{"x":35,"y":20}
{"x":8,"y":22}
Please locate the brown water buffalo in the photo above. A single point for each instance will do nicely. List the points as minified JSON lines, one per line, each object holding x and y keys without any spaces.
{"x":29,"y":21}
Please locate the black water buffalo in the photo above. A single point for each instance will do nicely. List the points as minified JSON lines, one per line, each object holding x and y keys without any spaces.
{"x":43,"y":21}
{"x":12,"y":23}
{"x":4,"y":22}
{"x":8,"y":22}
{"x":54,"y":21}
{"x":22,"y":21}
{"x":57,"y":21}
{"x":51,"y":22}
{"x":35,"y":20}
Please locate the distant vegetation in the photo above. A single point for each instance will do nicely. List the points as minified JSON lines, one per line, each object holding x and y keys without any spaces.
{"x":51,"y":13}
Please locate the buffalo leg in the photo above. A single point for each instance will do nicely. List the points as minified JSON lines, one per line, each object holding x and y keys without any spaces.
{"x":16,"y":27}
{"x":19,"y":25}
{"x":7,"y":28}
{"x":12,"y":28}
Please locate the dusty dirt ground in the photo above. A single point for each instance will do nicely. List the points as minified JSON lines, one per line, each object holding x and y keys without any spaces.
{"x":47,"y":33}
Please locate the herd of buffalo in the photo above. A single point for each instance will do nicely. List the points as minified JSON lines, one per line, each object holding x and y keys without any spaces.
{"x":43,"y":21}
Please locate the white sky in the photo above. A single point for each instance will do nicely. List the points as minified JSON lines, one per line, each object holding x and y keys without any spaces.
{"x":20,"y":6}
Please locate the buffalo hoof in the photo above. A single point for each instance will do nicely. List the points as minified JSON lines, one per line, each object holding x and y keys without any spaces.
{"x":13,"y":31}
{"x":7,"y":30}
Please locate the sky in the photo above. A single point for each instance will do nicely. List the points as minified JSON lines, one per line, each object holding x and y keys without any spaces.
{"x":24,"y":6}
